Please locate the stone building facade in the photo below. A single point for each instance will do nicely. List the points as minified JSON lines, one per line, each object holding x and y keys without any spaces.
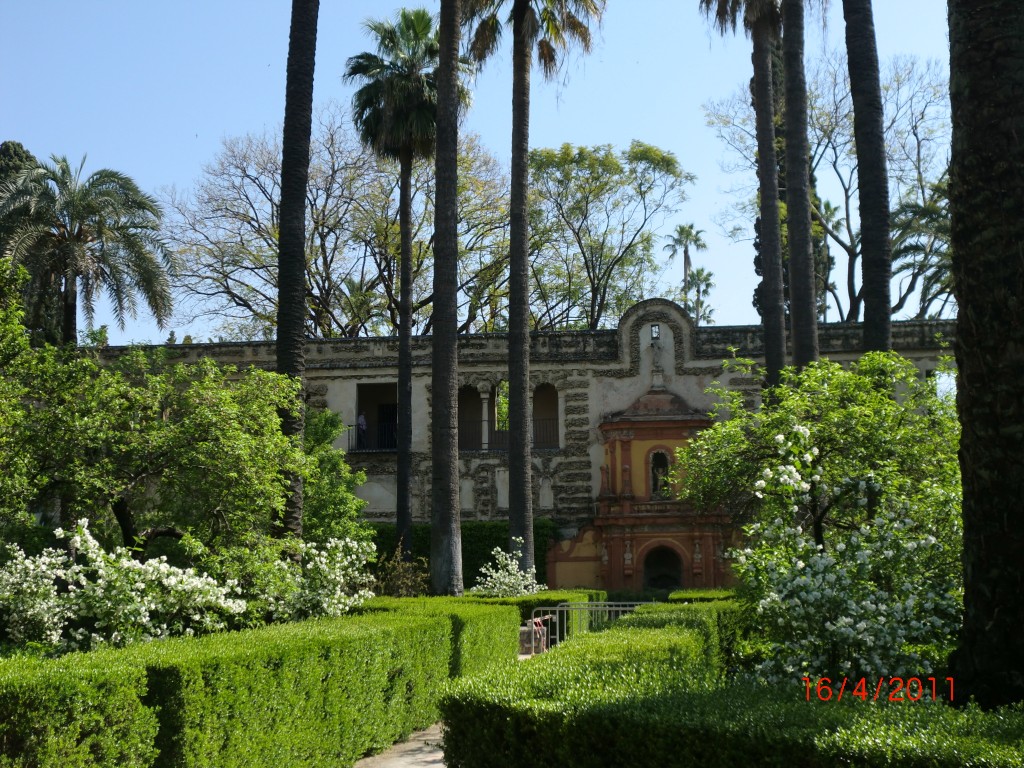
{"x":609,"y":408}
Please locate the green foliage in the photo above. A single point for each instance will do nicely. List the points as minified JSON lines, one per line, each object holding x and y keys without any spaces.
{"x":330,"y":505}
{"x":644,"y":696}
{"x":852,"y":482}
{"x":592,"y":214}
{"x":721,"y":624}
{"x":700,"y":595}
{"x":479,"y":538}
{"x":316,"y":693}
{"x":81,"y":711}
{"x":397,"y":577}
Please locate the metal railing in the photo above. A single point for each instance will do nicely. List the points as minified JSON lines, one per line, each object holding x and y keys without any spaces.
{"x":545,"y":435}
{"x":551,"y":625}
{"x":379,"y":438}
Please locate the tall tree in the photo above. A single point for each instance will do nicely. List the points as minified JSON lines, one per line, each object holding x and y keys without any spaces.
{"x":291,"y":262}
{"x":987,"y":195}
{"x":445,"y":528}
{"x":685,"y":237}
{"x":803,"y":301}
{"x":597,"y":208}
{"x":82,"y":236}
{"x":395,"y":112}
{"x":869,"y":134}
{"x":694,"y":298}
{"x":547,"y":26}
{"x":761,"y":20}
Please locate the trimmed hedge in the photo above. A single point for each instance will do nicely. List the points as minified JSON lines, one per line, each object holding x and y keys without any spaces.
{"x":79,"y":711}
{"x":479,"y":538}
{"x":722,"y":624}
{"x":642,"y":696}
{"x":700,"y":595}
{"x":539,"y":707}
{"x":310,"y":694}
{"x":482,"y":636}
{"x":318,"y":693}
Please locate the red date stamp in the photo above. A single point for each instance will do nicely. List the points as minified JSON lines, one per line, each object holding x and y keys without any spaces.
{"x":884,"y":689}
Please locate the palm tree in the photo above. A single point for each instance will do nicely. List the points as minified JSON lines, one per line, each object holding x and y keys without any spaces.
{"x":803,"y":299}
{"x":291,"y":262}
{"x":547,"y":26}
{"x":395,"y":112}
{"x":872,"y":172}
{"x":695,"y":296}
{"x":445,"y":531}
{"x":761,"y":21}
{"x":685,"y":237}
{"x":986,"y":41}
{"x":82,"y":236}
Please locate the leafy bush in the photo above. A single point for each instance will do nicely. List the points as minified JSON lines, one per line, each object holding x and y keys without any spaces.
{"x":503,"y":577}
{"x":397,"y":577}
{"x":99,"y":597}
{"x":479,"y":538}
{"x":850,"y":481}
{"x":81,"y":711}
{"x":482,"y":636}
{"x":75,"y":603}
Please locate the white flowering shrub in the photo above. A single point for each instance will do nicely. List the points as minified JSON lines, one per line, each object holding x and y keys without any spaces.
{"x":851,"y":482}
{"x":31,"y":611}
{"x":104,"y":597}
{"x":334,"y":578}
{"x":863,"y":606}
{"x":503,"y":578}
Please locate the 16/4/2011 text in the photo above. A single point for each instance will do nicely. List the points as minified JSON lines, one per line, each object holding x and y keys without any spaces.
{"x":886,"y":688}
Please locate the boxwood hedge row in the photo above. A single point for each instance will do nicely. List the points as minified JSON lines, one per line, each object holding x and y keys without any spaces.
{"x":646,"y":694}
{"x":317,"y":693}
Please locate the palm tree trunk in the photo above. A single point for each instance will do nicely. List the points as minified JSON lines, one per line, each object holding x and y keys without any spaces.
{"x":520,"y":492}
{"x":772,"y":305}
{"x":445,"y":530}
{"x":403,"y":511}
{"x":291,"y":309}
{"x":986,"y":198}
{"x":803,"y":306}
{"x":872,"y":174}
{"x":69,"y":297}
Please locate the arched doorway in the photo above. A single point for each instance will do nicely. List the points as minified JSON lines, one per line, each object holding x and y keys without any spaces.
{"x":663,"y":569}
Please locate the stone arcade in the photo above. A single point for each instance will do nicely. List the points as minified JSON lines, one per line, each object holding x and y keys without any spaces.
{"x":609,"y":409}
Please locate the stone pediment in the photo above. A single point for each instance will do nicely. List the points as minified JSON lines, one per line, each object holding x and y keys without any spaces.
{"x":657,"y":404}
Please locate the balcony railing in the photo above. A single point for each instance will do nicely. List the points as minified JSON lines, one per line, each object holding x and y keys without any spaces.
{"x":545,"y":435}
{"x":380,"y":438}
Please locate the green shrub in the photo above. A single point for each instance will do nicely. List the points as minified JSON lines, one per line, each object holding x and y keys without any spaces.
{"x":81,"y":711}
{"x":721,"y":625}
{"x":511,"y":716}
{"x":482,"y":636}
{"x":315,"y":693}
{"x":479,"y":538}
{"x":640,"y":695}
{"x":700,"y":595}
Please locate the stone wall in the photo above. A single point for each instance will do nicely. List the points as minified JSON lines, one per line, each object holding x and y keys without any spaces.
{"x":594,"y":372}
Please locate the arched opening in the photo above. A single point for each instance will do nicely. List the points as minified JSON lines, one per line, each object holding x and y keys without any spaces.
{"x":663,"y":569}
{"x":659,"y":483}
{"x":470,"y":419}
{"x":545,"y":416}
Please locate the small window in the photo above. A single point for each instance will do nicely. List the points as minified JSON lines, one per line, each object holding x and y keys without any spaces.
{"x":655,"y":331}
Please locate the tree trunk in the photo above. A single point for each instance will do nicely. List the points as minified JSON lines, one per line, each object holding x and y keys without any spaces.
{"x":773,"y":316}
{"x":520,"y":491}
{"x":872,"y":174}
{"x":445,"y":530}
{"x":986,"y":200}
{"x":291,"y":264}
{"x":69,"y":324}
{"x":803,"y":305}
{"x":403,"y":511}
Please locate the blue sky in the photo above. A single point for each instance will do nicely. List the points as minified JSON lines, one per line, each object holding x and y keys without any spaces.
{"x":152,"y":88}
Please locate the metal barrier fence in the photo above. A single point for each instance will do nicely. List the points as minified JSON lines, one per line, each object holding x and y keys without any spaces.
{"x":550,"y":625}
